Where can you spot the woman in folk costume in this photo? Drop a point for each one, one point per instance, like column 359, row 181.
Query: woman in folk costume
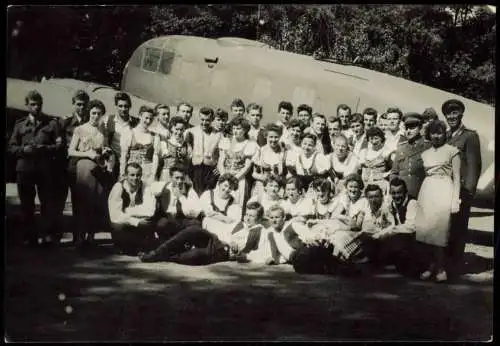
column 376, row 161
column 309, row 164
column 297, row 207
column 94, row 165
column 175, row 151
column 439, row 197
column 337, row 229
column 271, row 194
column 343, row 162
column 236, row 157
column 142, row 146
column 220, row 210
column 269, row 159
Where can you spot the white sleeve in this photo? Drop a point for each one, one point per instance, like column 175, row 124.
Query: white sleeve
column 224, row 144
column 191, row 204
column 115, row 203
column 256, row 157
column 323, row 163
column 234, row 212
column 291, row 158
column 410, row 225
column 251, row 149
column 205, row 203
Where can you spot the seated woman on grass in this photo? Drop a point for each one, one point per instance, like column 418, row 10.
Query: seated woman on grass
column 220, row 210
column 271, row 195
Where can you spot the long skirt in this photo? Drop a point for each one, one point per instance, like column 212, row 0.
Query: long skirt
column 433, row 219
column 91, row 192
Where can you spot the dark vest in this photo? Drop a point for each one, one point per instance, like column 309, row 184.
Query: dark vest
column 126, row 197
column 229, row 203
column 400, row 214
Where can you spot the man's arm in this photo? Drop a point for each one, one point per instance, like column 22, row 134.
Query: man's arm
column 15, row 146
column 115, row 204
column 473, row 163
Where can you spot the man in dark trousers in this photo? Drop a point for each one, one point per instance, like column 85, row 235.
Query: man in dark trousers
column 35, row 141
column 67, row 167
column 408, row 164
column 467, row 141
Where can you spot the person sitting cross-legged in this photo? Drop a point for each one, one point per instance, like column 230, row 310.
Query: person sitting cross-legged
column 196, row 246
column 396, row 244
column 131, row 207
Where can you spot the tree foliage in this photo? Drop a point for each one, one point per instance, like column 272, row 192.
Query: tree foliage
column 451, row 47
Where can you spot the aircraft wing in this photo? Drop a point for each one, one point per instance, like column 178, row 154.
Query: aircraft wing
column 57, row 95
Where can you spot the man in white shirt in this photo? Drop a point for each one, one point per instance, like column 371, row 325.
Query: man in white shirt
column 205, row 155
column 196, row 246
column 178, row 204
column 131, row 207
column 393, row 135
column 116, row 126
column 344, row 114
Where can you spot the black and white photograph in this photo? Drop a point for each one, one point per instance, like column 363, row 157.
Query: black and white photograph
column 250, row 173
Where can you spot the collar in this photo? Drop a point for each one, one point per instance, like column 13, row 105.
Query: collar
column 127, row 187
column 459, row 130
column 31, row 119
column 405, row 202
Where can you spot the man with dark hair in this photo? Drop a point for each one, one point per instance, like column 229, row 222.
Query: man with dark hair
column 393, row 135
column 408, row 164
column 467, row 141
column 369, row 117
column 196, row 246
column 237, row 108
column 185, row 111
column 304, row 114
column 80, row 101
column 131, row 207
column 119, row 125
column 35, row 141
column 358, row 139
column 396, row 244
column 256, row 132
column 344, row 114
column 204, row 142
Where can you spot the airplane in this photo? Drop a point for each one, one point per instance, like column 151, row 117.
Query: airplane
column 212, row 72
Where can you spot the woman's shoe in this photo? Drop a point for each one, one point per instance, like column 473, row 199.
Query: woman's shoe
column 441, row 276
column 426, row 275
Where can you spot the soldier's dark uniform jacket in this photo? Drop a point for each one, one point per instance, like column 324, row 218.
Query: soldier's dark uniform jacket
column 42, row 133
column 467, row 141
column 408, row 164
column 35, row 169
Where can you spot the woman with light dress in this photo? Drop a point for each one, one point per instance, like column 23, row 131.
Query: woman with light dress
column 236, row 155
column 269, row 159
column 221, row 212
column 308, row 164
column 142, row 146
column 93, row 174
column 174, row 151
column 343, row 162
column 438, row 197
column 376, row 160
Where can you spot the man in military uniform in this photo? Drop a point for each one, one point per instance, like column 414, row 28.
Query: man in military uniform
column 35, row 141
column 467, row 141
column 408, row 164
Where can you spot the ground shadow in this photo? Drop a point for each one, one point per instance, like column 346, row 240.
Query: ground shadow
column 479, row 237
column 118, row 298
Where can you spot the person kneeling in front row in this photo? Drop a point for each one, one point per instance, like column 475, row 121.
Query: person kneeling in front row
column 193, row 245
column 131, row 209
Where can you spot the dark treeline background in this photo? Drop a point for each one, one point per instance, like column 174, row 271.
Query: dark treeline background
column 451, row 47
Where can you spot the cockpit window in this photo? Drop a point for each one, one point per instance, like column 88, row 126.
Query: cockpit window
column 151, row 59
column 167, row 60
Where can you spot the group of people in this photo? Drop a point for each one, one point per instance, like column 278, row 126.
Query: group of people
column 321, row 193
